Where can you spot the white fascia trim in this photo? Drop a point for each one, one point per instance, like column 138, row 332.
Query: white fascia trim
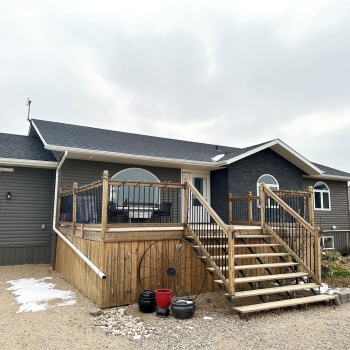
column 38, row 132
column 29, row 163
column 129, row 156
column 252, row 151
column 327, row 177
column 270, row 144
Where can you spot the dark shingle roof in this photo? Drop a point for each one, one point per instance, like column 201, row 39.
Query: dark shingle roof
column 23, row 147
column 330, row 171
column 74, row 136
column 94, row 139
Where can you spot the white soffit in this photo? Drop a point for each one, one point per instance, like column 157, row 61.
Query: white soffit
column 139, row 160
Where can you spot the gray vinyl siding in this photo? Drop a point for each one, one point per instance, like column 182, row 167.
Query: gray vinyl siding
column 341, row 239
column 339, row 213
column 22, row 239
column 85, row 172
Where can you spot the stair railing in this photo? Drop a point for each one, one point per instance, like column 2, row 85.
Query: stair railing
column 292, row 231
column 207, row 227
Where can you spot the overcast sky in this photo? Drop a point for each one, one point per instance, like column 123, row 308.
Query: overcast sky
column 221, row 72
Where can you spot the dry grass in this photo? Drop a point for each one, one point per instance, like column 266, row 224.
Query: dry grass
column 335, row 269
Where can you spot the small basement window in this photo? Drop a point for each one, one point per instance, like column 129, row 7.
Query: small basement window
column 327, row 242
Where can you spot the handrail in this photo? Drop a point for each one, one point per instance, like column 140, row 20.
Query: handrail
column 295, row 256
column 145, row 184
column 206, row 205
column 211, row 235
column 286, row 207
column 293, row 232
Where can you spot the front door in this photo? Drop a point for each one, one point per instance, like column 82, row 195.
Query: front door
column 201, row 182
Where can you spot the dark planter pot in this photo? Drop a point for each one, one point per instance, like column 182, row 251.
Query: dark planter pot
column 147, row 301
column 183, row 308
column 162, row 312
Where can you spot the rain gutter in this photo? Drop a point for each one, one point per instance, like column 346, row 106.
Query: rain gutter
column 63, row 237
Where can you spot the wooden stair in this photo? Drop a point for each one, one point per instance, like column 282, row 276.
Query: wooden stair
column 259, row 260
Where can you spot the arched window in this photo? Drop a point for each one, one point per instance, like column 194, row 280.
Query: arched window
column 272, row 184
column 322, row 197
column 135, row 195
column 269, row 181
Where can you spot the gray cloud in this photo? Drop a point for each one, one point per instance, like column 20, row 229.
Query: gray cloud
column 218, row 74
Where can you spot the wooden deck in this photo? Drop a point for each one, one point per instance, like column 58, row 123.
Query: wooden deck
column 240, row 259
column 119, row 256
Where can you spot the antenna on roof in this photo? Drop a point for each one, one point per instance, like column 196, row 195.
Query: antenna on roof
column 28, row 104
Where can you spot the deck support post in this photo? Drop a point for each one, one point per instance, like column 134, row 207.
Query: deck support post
column 186, row 199
column 74, row 219
column 231, row 260
column 250, row 208
column 262, row 204
column 104, row 203
column 311, row 206
column 230, row 221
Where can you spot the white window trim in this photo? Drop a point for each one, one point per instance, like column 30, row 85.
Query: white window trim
column 321, row 194
column 146, row 171
column 269, row 186
column 322, row 242
column 134, row 168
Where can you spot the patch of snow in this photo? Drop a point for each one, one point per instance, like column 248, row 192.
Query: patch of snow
column 37, row 295
column 324, row 288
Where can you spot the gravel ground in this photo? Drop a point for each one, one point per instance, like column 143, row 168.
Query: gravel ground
column 214, row 326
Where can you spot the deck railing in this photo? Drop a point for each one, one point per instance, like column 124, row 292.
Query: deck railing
column 111, row 202
column 289, row 215
column 293, row 231
column 246, row 210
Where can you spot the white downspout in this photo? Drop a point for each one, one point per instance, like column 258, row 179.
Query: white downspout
column 86, row 260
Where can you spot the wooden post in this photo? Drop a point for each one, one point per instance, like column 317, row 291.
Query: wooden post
column 317, row 255
column 58, row 209
column 262, row 205
column 230, row 220
column 311, row 206
column 186, row 196
column 231, row 261
column 104, row 203
column 74, row 219
column 250, row 208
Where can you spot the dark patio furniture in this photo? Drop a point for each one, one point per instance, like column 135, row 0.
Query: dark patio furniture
column 117, row 214
column 163, row 213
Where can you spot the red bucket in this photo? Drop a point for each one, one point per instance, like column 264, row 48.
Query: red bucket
column 163, row 297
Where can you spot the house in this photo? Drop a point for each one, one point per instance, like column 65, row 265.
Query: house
column 147, row 174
